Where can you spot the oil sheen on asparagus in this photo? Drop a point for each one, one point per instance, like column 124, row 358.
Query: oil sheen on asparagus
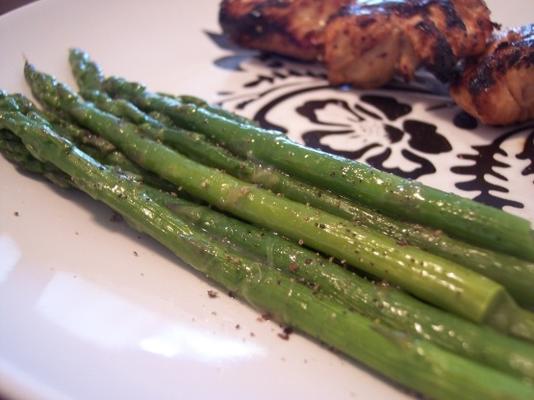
column 514, row 274
column 434, row 279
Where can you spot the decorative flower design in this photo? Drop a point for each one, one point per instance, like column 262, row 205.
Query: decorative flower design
column 365, row 130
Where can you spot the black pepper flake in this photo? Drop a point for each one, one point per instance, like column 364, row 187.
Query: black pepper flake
column 212, row 294
column 252, row 334
column 285, row 333
column 16, row 214
column 238, row 326
column 135, row 253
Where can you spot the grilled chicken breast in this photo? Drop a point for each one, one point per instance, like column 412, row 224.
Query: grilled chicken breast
column 290, row 27
column 498, row 87
column 369, row 41
column 363, row 42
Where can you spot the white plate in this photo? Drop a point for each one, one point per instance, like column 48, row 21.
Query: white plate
column 89, row 309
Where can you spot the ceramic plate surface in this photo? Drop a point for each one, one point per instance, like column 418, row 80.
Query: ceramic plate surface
column 89, row 309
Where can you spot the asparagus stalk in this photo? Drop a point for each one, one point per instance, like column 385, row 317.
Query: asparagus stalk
column 197, row 101
column 462, row 218
column 89, row 77
column 514, row 274
column 387, row 304
column 390, row 305
column 436, row 280
column 95, row 145
column 195, row 146
column 414, row 363
column 87, row 73
column 10, row 147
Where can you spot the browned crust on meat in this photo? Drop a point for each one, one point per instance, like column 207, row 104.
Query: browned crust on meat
column 405, row 35
column 363, row 42
column 498, row 87
column 289, row 27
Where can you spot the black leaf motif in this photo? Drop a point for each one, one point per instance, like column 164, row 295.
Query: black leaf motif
column 389, row 106
column 528, row 154
column 310, row 110
column 259, row 80
column 484, row 165
column 313, row 139
column 465, row 121
column 425, row 137
column 394, row 134
column 425, row 166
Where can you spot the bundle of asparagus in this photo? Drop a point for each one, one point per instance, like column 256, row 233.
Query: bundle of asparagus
column 136, row 161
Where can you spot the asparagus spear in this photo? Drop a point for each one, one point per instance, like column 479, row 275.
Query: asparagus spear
column 413, row 363
column 195, row 146
column 10, row 147
column 89, row 77
column 470, row 221
column 93, row 144
column 436, row 280
column 88, row 74
column 197, row 101
column 514, row 274
column 388, row 304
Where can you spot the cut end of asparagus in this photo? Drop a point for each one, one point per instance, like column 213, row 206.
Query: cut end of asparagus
column 524, row 326
column 506, row 316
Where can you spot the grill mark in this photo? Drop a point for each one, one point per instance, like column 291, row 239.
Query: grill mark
column 514, row 51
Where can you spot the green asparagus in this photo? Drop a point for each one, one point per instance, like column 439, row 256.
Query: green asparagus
column 89, row 77
column 387, row 304
column 462, row 218
column 514, row 274
column 93, row 144
column 436, row 280
column 414, row 363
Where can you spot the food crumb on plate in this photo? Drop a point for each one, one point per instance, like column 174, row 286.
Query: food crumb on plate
column 264, row 317
column 285, row 333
